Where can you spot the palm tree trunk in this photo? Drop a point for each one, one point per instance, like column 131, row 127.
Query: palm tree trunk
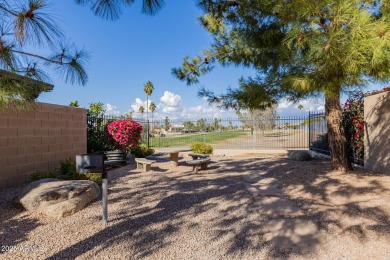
column 147, row 108
column 152, row 122
column 147, row 119
column 336, row 133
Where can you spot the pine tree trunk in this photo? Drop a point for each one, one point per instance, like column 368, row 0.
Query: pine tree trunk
column 336, row 133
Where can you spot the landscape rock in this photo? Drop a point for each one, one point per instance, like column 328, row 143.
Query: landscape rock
column 299, row 155
column 58, row 198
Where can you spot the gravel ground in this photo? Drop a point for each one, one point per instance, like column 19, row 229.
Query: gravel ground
column 173, row 213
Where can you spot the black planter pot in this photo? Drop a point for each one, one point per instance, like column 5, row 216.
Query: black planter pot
column 117, row 156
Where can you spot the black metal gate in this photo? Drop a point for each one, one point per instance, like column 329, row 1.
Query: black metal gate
column 318, row 135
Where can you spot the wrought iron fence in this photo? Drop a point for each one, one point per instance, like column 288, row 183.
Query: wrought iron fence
column 230, row 133
column 292, row 132
column 270, row 133
column 97, row 138
column 318, row 135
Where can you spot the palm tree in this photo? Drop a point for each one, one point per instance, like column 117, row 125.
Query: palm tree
column 141, row 110
column 148, row 89
column 152, row 108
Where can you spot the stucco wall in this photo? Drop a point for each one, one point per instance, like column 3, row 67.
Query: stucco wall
column 38, row 140
column 377, row 132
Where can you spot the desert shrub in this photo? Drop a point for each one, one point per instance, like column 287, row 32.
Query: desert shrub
column 44, row 175
column 98, row 138
column 67, row 167
column 66, row 171
column 202, row 148
column 142, row 151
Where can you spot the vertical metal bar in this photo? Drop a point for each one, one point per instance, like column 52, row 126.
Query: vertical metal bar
column 252, row 124
column 104, row 196
column 293, row 130
column 204, row 131
column 309, row 129
column 148, row 132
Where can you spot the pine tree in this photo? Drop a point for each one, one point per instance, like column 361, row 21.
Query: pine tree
column 112, row 9
column 29, row 23
column 26, row 25
column 299, row 49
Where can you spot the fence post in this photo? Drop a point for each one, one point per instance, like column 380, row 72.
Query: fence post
column 309, row 135
column 204, row 131
column 147, row 122
column 253, row 134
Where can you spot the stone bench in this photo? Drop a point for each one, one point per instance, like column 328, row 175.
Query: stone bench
column 144, row 163
column 198, row 156
column 202, row 162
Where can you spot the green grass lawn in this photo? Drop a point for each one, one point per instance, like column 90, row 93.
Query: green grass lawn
column 188, row 139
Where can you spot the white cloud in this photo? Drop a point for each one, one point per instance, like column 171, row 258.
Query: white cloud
column 112, row 110
column 311, row 104
column 170, row 99
column 170, row 109
column 284, row 103
column 172, row 106
column 290, row 108
column 138, row 102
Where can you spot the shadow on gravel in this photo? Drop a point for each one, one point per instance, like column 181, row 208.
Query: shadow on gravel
column 154, row 211
column 341, row 204
column 13, row 228
column 182, row 199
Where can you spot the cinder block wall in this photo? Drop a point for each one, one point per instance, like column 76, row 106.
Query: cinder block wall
column 377, row 132
column 38, row 140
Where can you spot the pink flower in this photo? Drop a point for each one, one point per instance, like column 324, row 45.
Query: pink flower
column 126, row 133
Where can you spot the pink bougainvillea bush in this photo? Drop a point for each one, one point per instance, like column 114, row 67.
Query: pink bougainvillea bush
column 353, row 120
column 125, row 133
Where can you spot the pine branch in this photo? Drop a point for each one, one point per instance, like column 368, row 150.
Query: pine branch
column 40, row 57
column 8, row 11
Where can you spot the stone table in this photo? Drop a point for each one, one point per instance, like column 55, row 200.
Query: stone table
column 173, row 153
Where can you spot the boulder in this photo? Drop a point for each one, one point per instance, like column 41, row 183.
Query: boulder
column 299, row 155
column 58, row 198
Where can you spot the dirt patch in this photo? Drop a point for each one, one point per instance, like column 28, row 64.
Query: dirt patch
column 173, row 213
column 275, row 139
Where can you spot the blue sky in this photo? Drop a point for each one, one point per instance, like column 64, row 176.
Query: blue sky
column 136, row 48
